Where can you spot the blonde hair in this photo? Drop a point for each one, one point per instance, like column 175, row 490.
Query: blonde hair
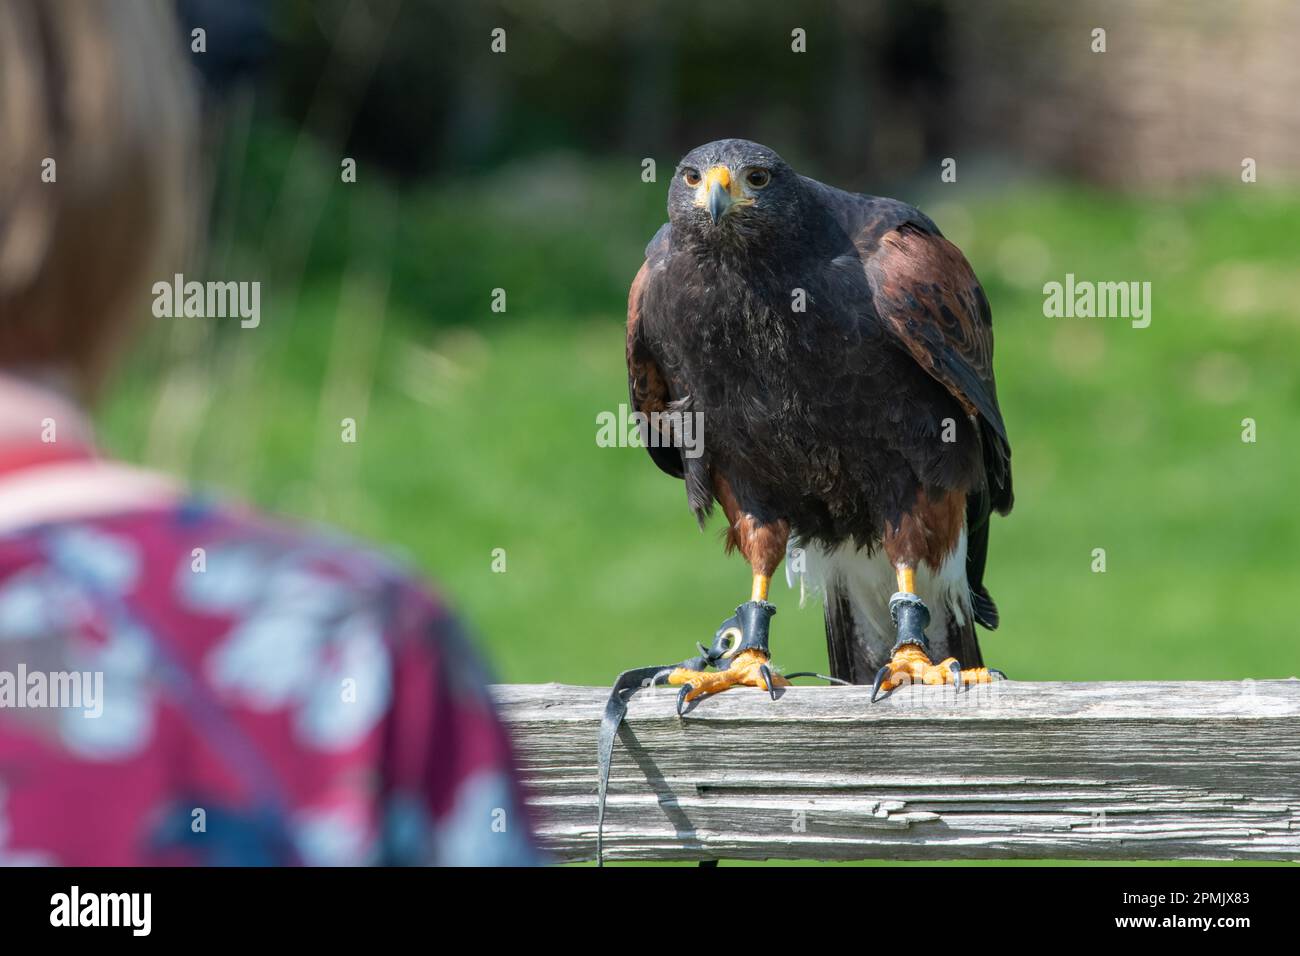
column 101, row 90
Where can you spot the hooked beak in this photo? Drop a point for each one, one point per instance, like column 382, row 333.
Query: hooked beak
column 716, row 192
column 718, row 202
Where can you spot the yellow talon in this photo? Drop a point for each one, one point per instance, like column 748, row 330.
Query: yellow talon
column 745, row 670
column 911, row 665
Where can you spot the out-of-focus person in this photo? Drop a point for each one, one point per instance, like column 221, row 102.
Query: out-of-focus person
column 184, row 681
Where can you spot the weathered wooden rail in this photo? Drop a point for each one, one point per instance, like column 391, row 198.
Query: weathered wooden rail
column 1206, row 770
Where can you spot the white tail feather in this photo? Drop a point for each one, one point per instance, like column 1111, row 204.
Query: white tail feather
column 868, row 580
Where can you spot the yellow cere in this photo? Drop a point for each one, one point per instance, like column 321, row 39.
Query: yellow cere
column 722, row 176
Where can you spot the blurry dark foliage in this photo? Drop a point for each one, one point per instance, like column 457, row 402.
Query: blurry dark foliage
column 885, row 88
column 423, row 92
column 238, row 40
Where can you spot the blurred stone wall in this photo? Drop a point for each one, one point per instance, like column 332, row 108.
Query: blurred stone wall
column 1185, row 90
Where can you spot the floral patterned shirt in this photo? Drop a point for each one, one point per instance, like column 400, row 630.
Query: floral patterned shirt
column 191, row 684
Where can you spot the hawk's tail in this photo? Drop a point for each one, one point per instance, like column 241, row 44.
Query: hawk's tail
column 856, row 661
column 860, row 634
column 841, row 637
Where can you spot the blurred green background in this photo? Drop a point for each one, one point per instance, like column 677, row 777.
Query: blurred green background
column 476, row 430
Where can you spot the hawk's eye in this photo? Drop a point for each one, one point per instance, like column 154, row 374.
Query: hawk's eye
column 758, row 178
column 692, row 176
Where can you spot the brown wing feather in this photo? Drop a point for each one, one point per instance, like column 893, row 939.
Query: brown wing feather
column 926, row 294
column 646, row 385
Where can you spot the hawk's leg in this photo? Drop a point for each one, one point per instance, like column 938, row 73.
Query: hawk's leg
column 740, row 647
column 910, row 662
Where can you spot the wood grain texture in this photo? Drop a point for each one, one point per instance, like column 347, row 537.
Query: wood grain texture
column 1133, row 770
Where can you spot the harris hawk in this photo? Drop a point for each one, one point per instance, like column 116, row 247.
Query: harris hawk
column 838, row 351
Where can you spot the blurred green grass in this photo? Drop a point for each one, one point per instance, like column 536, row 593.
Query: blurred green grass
column 477, row 430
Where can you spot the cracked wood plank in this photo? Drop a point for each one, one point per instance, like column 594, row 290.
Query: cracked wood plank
column 1121, row 771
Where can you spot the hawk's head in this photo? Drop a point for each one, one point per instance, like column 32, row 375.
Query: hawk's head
column 732, row 192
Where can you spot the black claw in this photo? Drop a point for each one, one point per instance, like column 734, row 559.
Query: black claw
column 955, row 670
column 767, row 676
column 997, row 674
column 681, row 698
column 880, row 679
